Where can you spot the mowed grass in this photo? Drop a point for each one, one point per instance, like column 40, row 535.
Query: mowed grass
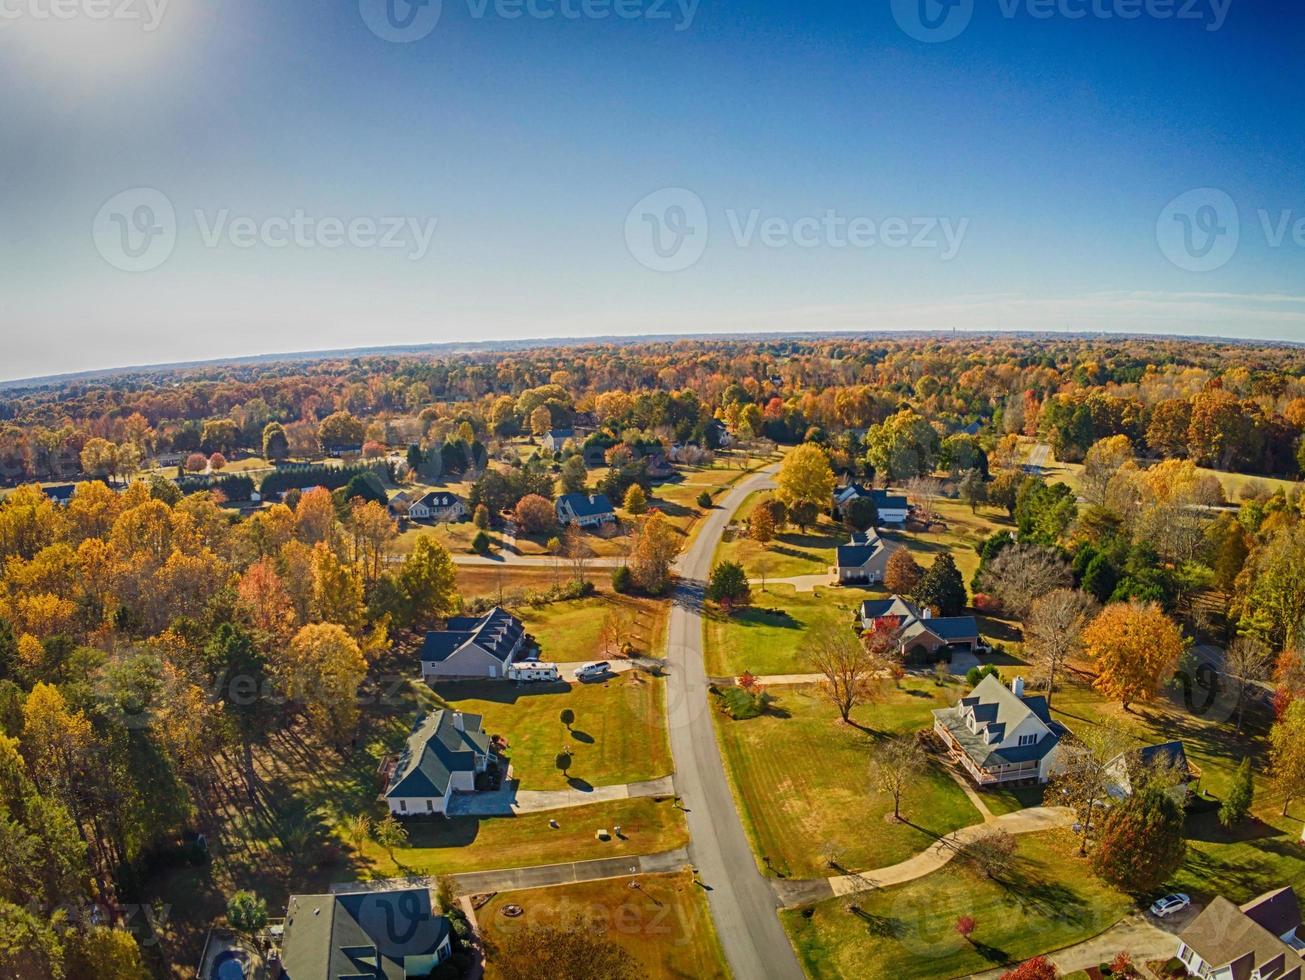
column 618, row 735
column 1049, row 900
column 462, row 844
column 664, row 923
column 507, row 585
column 803, row 780
column 769, row 637
column 569, row 632
column 793, row 552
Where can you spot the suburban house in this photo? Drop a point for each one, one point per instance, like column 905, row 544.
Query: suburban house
column 585, row 509
column 922, row 633
column 892, row 509
column 473, row 648
column 1259, row 941
column 62, row 494
column 1127, row 769
column 862, row 560
column 555, row 440
column 444, row 753
column 439, row 506
column 657, row 465
column 999, row 735
column 385, row 935
column 595, row 454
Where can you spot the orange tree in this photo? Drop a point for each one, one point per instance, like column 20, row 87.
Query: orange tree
column 1135, row 647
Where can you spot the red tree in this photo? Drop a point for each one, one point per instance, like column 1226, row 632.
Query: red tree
column 1038, row 968
column 966, row 925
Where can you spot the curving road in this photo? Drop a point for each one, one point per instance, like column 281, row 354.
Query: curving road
column 742, row 901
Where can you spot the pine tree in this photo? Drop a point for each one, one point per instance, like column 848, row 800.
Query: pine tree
column 1241, row 794
column 942, row 588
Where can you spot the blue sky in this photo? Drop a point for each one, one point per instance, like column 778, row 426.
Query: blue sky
column 1038, row 170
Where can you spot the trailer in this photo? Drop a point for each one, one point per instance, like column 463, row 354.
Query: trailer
column 533, row 672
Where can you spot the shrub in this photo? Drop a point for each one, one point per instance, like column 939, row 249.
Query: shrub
column 976, row 674
column 622, row 579
column 481, row 517
column 742, row 704
column 704, row 500
column 480, row 543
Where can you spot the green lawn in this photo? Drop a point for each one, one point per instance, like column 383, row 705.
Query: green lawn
column 569, row 632
column 793, row 552
column 440, row 846
column 1048, row 901
column 802, row 780
column 664, row 923
column 768, row 638
column 618, row 736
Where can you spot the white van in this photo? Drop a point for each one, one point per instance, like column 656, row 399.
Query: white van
column 533, row 672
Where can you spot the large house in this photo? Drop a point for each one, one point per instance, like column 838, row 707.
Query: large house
column 556, row 439
column 863, row 560
column 999, row 735
column 892, row 509
column 922, row 634
column 378, row 935
column 585, row 509
column 444, row 753
column 439, row 506
column 1128, row 769
column 472, row 648
column 1259, row 941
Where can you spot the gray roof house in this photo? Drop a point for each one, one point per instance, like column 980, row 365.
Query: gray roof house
column 863, row 559
column 585, row 509
column 1259, row 941
column 62, row 494
column 922, row 633
column 892, row 508
column 443, row 754
column 556, row 439
column 471, row 648
column 1000, row 735
column 372, row 935
column 438, row 505
column 1128, row 767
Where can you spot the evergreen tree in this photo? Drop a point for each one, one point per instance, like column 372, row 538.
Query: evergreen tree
column 1241, row 794
column 942, row 588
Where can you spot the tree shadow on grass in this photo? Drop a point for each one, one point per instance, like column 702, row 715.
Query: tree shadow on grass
column 582, row 736
column 991, row 953
column 580, row 785
column 879, row 926
column 500, row 692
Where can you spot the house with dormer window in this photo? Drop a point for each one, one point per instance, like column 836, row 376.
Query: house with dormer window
column 473, row 648
column 1000, row 735
column 1260, row 940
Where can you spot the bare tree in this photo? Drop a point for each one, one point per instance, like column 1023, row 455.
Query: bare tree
column 849, row 671
column 577, row 551
column 1081, row 780
column 1022, row 573
column 1246, row 662
column 923, row 492
column 992, row 855
column 896, row 763
column 1053, row 631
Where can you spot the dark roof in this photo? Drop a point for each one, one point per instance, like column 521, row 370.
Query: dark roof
column 61, row 494
column 863, row 546
column 949, row 629
column 1278, row 911
column 1225, row 935
column 585, row 504
column 882, row 498
column 496, row 633
column 952, row 627
column 436, row 749
column 359, row 935
column 439, row 499
column 560, row 434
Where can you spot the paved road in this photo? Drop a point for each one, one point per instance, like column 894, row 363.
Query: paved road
column 501, row 559
column 741, row 900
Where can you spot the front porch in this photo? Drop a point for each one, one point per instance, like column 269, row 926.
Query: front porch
column 1011, row 774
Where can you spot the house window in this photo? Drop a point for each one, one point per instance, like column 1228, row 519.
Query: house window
column 430, row 806
column 1028, row 740
column 403, row 806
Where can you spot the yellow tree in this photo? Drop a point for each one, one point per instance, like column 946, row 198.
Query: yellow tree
column 1135, row 647
column 322, row 671
column 29, row 521
column 655, row 547
column 372, row 532
column 264, row 595
column 337, row 591
column 805, row 477
column 315, row 517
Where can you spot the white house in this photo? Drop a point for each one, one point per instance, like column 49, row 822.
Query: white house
column 438, row 506
column 555, row 440
column 1261, row 940
column 863, row 560
column 444, row 753
column 384, row 933
column 585, row 509
column 471, row 648
column 892, row 509
column 1126, row 769
column 999, row 735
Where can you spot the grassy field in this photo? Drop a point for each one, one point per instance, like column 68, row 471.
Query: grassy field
column 802, row 780
column 618, row 736
column 793, row 552
column 908, row 931
column 768, row 637
column 664, row 923
column 568, row 632
column 507, row 584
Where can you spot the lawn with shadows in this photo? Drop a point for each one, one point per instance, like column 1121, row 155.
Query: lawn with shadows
column 570, row 632
column 802, row 781
column 1049, row 900
column 664, row 922
column 618, row 734
column 793, row 552
column 768, row 638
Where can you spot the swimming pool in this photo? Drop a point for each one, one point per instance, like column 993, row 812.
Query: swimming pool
column 229, row 965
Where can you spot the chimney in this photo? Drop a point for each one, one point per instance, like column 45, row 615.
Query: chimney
column 1017, row 686
column 458, row 722
column 926, row 613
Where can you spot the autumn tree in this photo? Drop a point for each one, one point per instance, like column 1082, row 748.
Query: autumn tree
column 1021, row 574
column 761, row 526
column 1101, row 463
column 1287, row 754
column 992, row 855
column 337, row 591
column 1135, row 647
column 556, row 951
column 322, row 671
column 902, row 574
column 100, row 952
column 1141, row 843
column 654, row 549
column 423, row 591
column 903, row 446
column 805, row 477
column 636, row 500
column 849, row 672
column 1278, row 584
column 1038, row 968
column 340, row 430
column 898, row 763
column 535, row 514
column 1053, row 631
column 1246, row 663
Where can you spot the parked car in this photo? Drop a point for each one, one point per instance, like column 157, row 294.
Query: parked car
column 600, row 669
column 1170, row 904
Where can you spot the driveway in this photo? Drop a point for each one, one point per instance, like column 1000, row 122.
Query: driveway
column 742, row 902
column 511, row 879
column 510, row 800
column 1141, row 935
column 501, row 559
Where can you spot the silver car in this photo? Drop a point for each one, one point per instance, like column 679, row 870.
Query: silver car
column 1170, row 904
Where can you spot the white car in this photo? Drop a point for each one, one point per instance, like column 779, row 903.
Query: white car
column 600, row 669
column 1169, row 905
